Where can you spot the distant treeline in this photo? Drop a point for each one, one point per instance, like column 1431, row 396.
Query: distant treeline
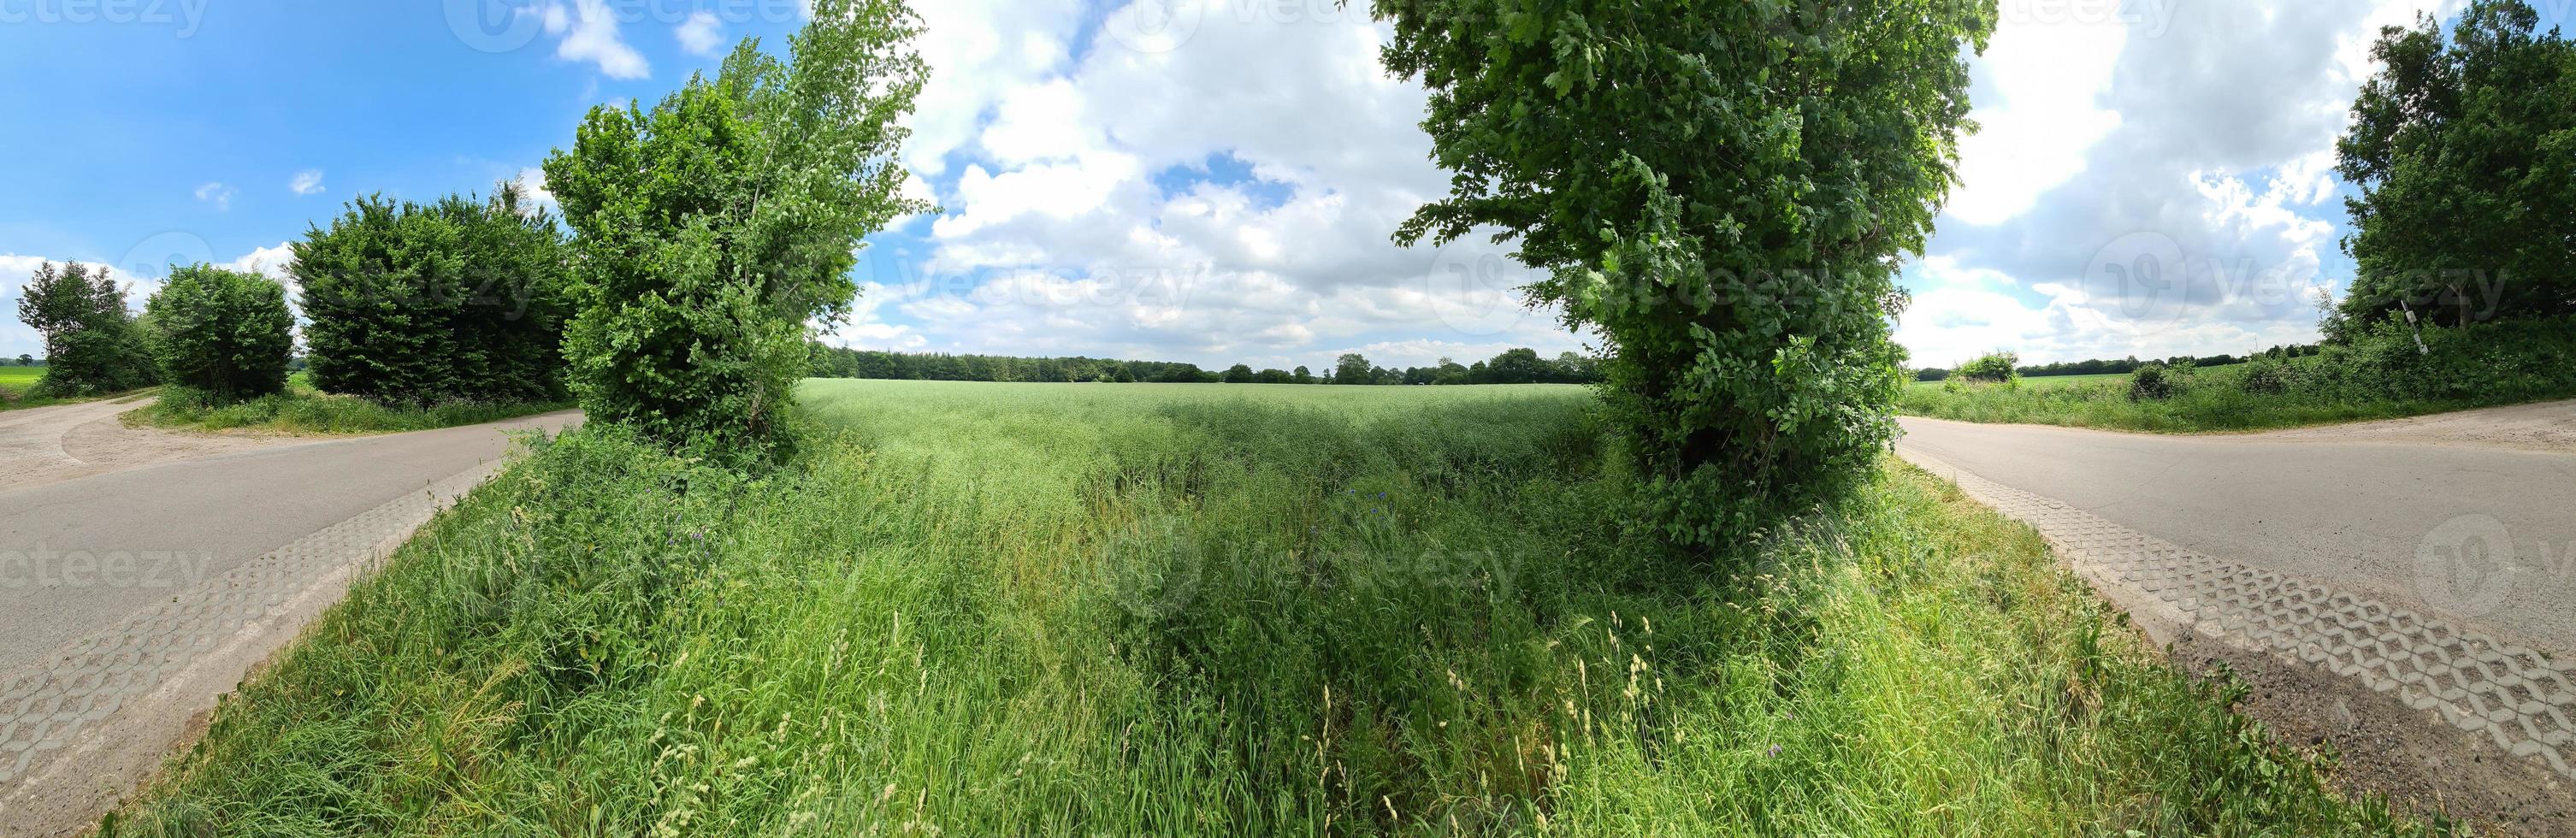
column 1514, row 366
column 2124, row 366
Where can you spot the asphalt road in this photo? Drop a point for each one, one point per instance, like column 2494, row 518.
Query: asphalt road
column 2483, row 535
column 80, row 555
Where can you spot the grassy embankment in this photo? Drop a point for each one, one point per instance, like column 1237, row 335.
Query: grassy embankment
column 304, row 410
column 2382, row 376
column 980, row 609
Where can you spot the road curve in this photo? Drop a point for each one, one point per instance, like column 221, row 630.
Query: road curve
column 130, row 600
column 2372, row 512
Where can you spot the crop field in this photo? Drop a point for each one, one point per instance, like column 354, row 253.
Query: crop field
column 2041, row 381
column 981, row 609
column 14, row 383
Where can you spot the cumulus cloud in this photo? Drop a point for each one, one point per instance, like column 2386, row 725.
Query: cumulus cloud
column 2196, row 218
column 220, row 195
column 589, row 32
column 701, row 34
column 307, row 182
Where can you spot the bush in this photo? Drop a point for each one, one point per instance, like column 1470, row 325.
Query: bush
column 418, row 304
column 715, row 228
column 222, row 332
column 1994, row 368
column 2264, row 377
column 2153, row 382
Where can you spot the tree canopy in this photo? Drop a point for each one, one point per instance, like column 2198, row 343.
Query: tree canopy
column 223, row 332
column 1723, row 191
column 2464, row 150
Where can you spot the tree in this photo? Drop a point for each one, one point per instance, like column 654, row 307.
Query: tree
column 26, row 360
column 1352, row 368
column 1238, row 374
column 2465, row 155
column 416, row 304
column 91, row 343
column 1723, row 192
column 715, row 229
column 1303, row 376
column 223, row 332
column 1990, row 368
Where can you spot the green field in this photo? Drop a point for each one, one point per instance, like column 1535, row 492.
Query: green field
column 2045, row 381
column 15, row 381
column 985, row 609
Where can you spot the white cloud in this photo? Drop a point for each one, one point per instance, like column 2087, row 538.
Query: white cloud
column 701, row 34
column 217, row 194
column 307, row 182
column 589, row 32
column 272, row 262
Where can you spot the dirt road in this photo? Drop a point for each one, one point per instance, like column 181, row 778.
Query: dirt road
column 134, row 591
column 2400, row 588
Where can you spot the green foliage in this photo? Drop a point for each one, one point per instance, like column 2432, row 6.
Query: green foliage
column 1992, row 368
column 301, row 410
column 2378, row 374
column 92, row 346
column 1723, row 190
column 224, row 333
column 416, row 304
column 713, row 229
column 1238, row 374
column 1154, row 610
column 2155, row 382
column 2465, row 153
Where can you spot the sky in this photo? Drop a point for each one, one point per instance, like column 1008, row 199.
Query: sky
column 1210, row 181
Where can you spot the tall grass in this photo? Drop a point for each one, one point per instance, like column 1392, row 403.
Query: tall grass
column 979, row 609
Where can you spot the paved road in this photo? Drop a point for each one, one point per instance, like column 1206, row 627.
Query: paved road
column 2385, row 517
column 129, row 600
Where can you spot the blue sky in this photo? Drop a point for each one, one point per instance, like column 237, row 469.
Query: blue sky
column 1200, row 180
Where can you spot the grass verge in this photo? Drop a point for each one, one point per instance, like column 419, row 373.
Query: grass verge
column 304, row 410
column 2380, row 375
column 1175, row 609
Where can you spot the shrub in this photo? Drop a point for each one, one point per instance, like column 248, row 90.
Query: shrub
column 1723, row 208
column 2264, row 377
column 91, row 343
column 715, row 228
column 222, row 332
column 416, row 304
column 1993, row 368
column 2153, row 382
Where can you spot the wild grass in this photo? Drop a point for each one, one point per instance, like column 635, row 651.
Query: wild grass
column 984, row 609
column 302, row 410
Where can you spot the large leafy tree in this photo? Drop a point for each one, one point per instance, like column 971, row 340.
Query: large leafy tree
column 1723, row 191
column 224, row 332
column 715, row 229
column 91, row 342
column 458, row 300
column 2465, row 153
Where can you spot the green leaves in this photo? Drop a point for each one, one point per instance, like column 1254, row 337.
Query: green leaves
column 1720, row 190
column 419, row 304
column 713, row 229
column 226, row 333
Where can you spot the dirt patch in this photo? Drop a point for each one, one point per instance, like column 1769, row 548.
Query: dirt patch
column 2420, row 763
column 44, row 445
column 2548, row 426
